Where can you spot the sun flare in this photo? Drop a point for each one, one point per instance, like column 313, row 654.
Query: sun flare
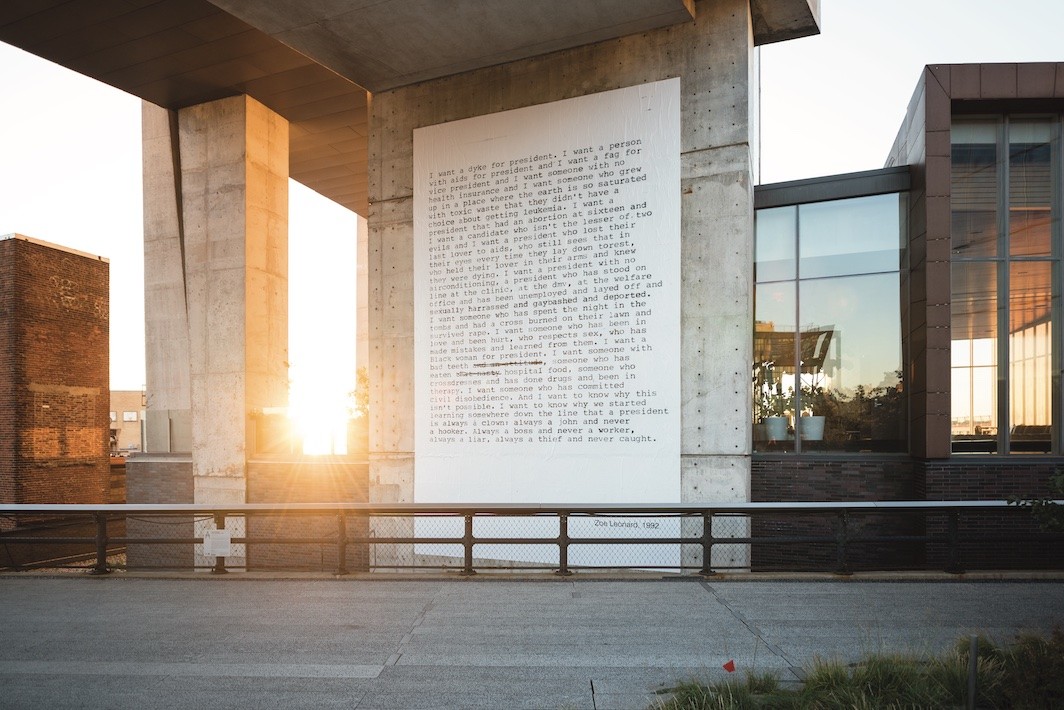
column 319, row 413
column 321, row 332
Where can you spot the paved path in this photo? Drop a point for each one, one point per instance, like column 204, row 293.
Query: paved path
column 123, row 642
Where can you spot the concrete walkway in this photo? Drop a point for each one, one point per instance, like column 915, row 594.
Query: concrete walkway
column 243, row 642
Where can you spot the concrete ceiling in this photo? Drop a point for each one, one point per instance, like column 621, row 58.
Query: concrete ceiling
column 313, row 61
column 178, row 53
column 384, row 44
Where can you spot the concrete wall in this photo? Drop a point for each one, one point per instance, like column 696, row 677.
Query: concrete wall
column 712, row 56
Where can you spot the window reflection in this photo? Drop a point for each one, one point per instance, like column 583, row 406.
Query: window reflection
column 1002, row 387
column 843, row 237
column 833, row 383
column 1030, row 333
column 974, row 188
column 857, row 384
column 973, row 356
column 775, row 243
column 1030, row 188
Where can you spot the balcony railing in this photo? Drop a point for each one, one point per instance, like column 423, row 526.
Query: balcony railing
column 954, row 536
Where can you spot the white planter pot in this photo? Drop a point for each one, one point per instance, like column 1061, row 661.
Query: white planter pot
column 811, row 428
column 775, row 428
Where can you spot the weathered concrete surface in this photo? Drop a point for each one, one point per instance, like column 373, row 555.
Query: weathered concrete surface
column 713, row 57
column 483, row 643
column 216, row 284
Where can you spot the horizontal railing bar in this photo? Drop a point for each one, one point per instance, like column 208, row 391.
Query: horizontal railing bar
column 56, row 540
column 493, row 509
column 828, row 539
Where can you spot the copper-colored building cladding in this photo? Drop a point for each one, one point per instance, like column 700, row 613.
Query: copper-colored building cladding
column 54, row 421
column 944, row 92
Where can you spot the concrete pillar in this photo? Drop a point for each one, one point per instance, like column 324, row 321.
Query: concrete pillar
column 216, row 284
column 362, row 295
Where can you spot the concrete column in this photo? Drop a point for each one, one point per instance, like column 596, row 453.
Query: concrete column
column 362, row 295
column 216, row 282
column 168, row 417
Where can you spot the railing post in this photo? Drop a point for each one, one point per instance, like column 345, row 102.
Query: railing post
column 101, row 545
column 341, row 543
column 842, row 534
column 707, row 545
column 219, row 560
column 467, row 543
column 953, row 535
column 563, row 546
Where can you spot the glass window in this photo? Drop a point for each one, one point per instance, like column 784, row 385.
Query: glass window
column 1003, row 388
column 974, row 188
column 1030, row 188
column 973, row 355
column 774, row 318
column 775, row 244
column 833, row 382
column 849, row 236
column 851, row 361
column 1030, row 374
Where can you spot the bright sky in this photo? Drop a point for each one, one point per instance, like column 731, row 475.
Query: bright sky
column 70, row 147
column 833, row 103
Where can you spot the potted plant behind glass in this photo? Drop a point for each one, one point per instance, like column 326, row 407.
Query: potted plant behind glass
column 815, row 342
column 775, row 420
column 811, row 426
column 773, row 406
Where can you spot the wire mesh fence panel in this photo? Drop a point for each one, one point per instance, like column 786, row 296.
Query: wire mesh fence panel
column 304, row 542
column 488, row 556
column 384, row 555
column 542, row 526
column 53, row 542
column 638, row 556
column 516, row 555
column 725, row 555
column 438, row 556
column 161, row 555
column 664, row 555
column 438, row 526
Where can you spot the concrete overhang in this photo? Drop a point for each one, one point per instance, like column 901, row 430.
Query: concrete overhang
column 780, row 21
column 313, row 62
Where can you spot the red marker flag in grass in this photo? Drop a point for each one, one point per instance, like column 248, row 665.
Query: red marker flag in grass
column 730, row 666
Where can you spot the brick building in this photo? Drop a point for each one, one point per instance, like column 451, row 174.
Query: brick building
column 54, row 421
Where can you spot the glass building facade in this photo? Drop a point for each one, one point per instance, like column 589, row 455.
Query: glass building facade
column 1005, row 284
column 827, row 372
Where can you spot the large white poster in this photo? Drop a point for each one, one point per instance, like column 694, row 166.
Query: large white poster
column 547, row 302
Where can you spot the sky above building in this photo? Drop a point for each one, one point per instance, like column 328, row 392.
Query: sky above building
column 70, row 169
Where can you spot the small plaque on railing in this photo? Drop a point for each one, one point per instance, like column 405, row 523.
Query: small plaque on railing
column 217, row 543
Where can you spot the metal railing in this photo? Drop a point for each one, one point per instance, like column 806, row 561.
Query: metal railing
column 680, row 537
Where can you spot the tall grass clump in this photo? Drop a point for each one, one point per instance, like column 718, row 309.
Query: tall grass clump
column 1027, row 674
